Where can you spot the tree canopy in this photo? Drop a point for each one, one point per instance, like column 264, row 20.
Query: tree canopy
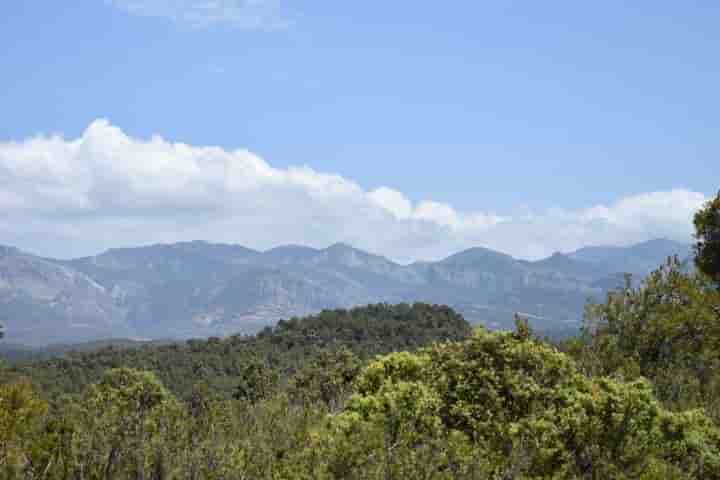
column 707, row 233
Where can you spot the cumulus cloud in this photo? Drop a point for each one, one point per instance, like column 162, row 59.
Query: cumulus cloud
column 245, row 14
column 70, row 197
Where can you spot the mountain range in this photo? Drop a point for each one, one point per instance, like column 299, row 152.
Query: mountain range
column 198, row 289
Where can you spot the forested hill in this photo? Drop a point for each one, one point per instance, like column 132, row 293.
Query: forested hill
column 283, row 349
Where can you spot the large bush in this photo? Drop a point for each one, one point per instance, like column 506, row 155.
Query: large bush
column 501, row 405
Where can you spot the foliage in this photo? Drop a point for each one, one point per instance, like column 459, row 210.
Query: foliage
column 277, row 353
column 21, row 415
column 707, row 232
column 520, row 406
column 667, row 330
column 327, row 379
column 498, row 405
column 257, row 382
column 135, row 407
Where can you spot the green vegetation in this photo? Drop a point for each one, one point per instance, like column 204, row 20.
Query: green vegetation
column 224, row 364
column 666, row 330
column 707, row 232
column 391, row 392
column 500, row 405
column 307, row 400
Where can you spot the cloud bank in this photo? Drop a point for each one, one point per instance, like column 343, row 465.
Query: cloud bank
column 245, row 14
column 106, row 189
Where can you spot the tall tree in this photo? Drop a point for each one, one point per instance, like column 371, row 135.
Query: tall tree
column 707, row 233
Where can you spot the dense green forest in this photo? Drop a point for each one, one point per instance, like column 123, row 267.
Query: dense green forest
column 394, row 392
column 222, row 364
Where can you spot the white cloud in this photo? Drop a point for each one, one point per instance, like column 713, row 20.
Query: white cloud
column 70, row 197
column 245, row 14
column 392, row 201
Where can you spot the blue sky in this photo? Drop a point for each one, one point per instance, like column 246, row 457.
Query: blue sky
column 502, row 108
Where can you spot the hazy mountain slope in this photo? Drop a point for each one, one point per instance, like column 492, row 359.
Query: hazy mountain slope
column 195, row 289
column 44, row 301
column 639, row 259
column 200, row 289
column 561, row 264
column 288, row 254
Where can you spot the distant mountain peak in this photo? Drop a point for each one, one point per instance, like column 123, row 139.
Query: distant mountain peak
column 556, row 257
column 186, row 246
column 654, row 243
column 7, row 251
column 289, row 254
column 658, row 243
column 640, row 258
column 475, row 254
column 345, row 252
column 342, row 247
column 291, row 246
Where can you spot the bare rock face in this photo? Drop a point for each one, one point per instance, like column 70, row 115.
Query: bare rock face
column 195, row 289
column 42, row 300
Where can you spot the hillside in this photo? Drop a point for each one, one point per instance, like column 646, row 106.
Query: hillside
column 366, row 331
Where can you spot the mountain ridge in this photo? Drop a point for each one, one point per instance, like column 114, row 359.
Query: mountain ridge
column 196, row 289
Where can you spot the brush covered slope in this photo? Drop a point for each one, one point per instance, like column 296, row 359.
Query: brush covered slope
column 284, row 348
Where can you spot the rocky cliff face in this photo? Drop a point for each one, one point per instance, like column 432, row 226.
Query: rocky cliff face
column 42, row 301
column 199, row 289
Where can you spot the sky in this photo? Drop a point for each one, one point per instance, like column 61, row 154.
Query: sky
column 411, row 129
